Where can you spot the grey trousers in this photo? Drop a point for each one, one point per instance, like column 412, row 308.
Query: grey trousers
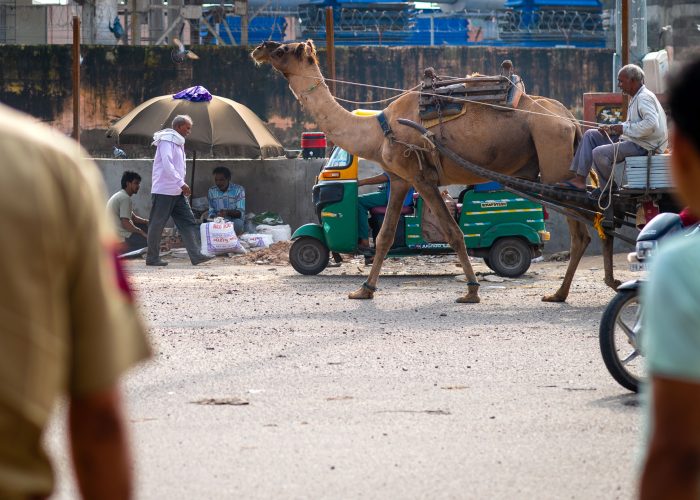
column 596, row 151
column 163, row 207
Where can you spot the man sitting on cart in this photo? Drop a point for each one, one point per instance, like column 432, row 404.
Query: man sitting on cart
column 644, row 132
column 370, row 200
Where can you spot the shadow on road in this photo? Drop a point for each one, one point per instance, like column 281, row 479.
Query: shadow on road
column 626, row 401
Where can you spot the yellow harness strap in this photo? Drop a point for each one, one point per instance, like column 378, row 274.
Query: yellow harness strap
column 597, row 224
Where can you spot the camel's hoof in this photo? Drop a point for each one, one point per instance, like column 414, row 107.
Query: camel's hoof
column 553, row 298
column 470, row 298
column 614, row 284
column 361, row 293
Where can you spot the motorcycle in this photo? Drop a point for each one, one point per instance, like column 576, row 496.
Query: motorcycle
column 621, row 324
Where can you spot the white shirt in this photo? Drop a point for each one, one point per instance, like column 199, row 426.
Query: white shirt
column 646, row 122
column 168, row 174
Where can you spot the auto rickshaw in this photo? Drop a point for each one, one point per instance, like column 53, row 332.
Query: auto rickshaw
column 506, row 230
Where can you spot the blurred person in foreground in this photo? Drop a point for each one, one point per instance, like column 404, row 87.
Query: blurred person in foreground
column 671, row 341
column 69, row 324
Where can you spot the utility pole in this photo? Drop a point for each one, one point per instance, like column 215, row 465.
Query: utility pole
column 625, row 56
column 330, row 49
column 242, row 10
column 135, row 24
column 76, row 78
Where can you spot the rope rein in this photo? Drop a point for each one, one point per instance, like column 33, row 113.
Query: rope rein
column 414, row 90
column 421, row 151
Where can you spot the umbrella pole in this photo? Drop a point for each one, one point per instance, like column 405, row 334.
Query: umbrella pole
column 194, row 159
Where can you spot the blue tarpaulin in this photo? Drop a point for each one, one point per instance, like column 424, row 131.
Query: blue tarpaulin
column 194, row 94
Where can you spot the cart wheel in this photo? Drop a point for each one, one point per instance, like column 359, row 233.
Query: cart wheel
column 488, row 263
column 308, row 255
column 509, row 257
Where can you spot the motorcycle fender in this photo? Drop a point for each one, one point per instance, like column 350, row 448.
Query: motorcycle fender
column 312, row 230
column 630, row 285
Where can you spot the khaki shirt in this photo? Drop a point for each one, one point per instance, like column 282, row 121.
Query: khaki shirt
column 68, row 323
column 119, row 207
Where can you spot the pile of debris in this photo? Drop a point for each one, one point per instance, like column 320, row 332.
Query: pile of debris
column 276, row 254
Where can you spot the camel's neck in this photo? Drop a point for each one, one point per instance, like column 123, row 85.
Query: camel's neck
column 359, row 135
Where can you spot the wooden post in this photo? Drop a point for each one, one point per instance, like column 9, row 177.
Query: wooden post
column 135, row 25
column 127, row 25
column 244, row 22
column 330, row 49
column 76, row 78
column 625, row 56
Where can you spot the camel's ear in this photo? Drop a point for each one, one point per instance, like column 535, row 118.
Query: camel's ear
column 310, row 50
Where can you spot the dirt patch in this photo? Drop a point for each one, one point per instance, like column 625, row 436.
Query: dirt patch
column 276, row 254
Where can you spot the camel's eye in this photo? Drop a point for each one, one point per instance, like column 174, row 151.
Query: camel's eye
column 279, row 52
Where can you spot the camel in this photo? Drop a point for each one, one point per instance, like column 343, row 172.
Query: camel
column 504, row 142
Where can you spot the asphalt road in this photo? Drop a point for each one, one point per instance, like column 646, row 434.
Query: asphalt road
column 410, row 395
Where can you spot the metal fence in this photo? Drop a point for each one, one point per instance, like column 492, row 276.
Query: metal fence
column 36, row 24
column 394, row 24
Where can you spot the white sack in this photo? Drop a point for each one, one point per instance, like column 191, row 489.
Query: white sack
column 219, row 237
column 279, row 233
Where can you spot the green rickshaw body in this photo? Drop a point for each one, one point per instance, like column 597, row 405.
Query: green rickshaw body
column 505, row 229
column 338, row 218
column 488, row 215
column 484, row 217
column 312, row 230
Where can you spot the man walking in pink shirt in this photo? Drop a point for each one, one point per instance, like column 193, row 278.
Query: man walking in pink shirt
column 169, row 193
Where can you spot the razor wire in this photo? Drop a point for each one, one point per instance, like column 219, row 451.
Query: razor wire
column 551, row 23
column 402, row 22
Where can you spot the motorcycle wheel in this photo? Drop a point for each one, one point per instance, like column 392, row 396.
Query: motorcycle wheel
column 619, row 334
column 308, row 255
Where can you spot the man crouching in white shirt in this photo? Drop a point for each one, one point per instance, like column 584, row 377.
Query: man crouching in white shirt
column 169, row 191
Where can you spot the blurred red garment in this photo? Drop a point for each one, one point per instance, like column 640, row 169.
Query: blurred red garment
column 687, row 217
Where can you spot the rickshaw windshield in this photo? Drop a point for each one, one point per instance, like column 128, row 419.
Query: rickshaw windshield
column 339, row 159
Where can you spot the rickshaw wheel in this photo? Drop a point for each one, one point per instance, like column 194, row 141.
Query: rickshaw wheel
column 510, row 257
column 308, row 255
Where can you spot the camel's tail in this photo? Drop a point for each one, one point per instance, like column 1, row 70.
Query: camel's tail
column 561, row 200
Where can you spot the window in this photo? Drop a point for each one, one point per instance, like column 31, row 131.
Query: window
column 339, row 159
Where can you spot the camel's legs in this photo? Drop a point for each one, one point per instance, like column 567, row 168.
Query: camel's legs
column 608, row 263
column 385, row 238
column 453, row 235
column 579, row 241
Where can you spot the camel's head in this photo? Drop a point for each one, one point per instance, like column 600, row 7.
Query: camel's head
column 288, row 58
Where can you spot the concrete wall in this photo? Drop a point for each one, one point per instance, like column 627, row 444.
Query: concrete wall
column 683, row 16
column 31, row 24
column 280, row 185
column 115, row 79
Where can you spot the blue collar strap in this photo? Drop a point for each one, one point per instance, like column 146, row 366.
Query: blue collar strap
column 381, row 118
